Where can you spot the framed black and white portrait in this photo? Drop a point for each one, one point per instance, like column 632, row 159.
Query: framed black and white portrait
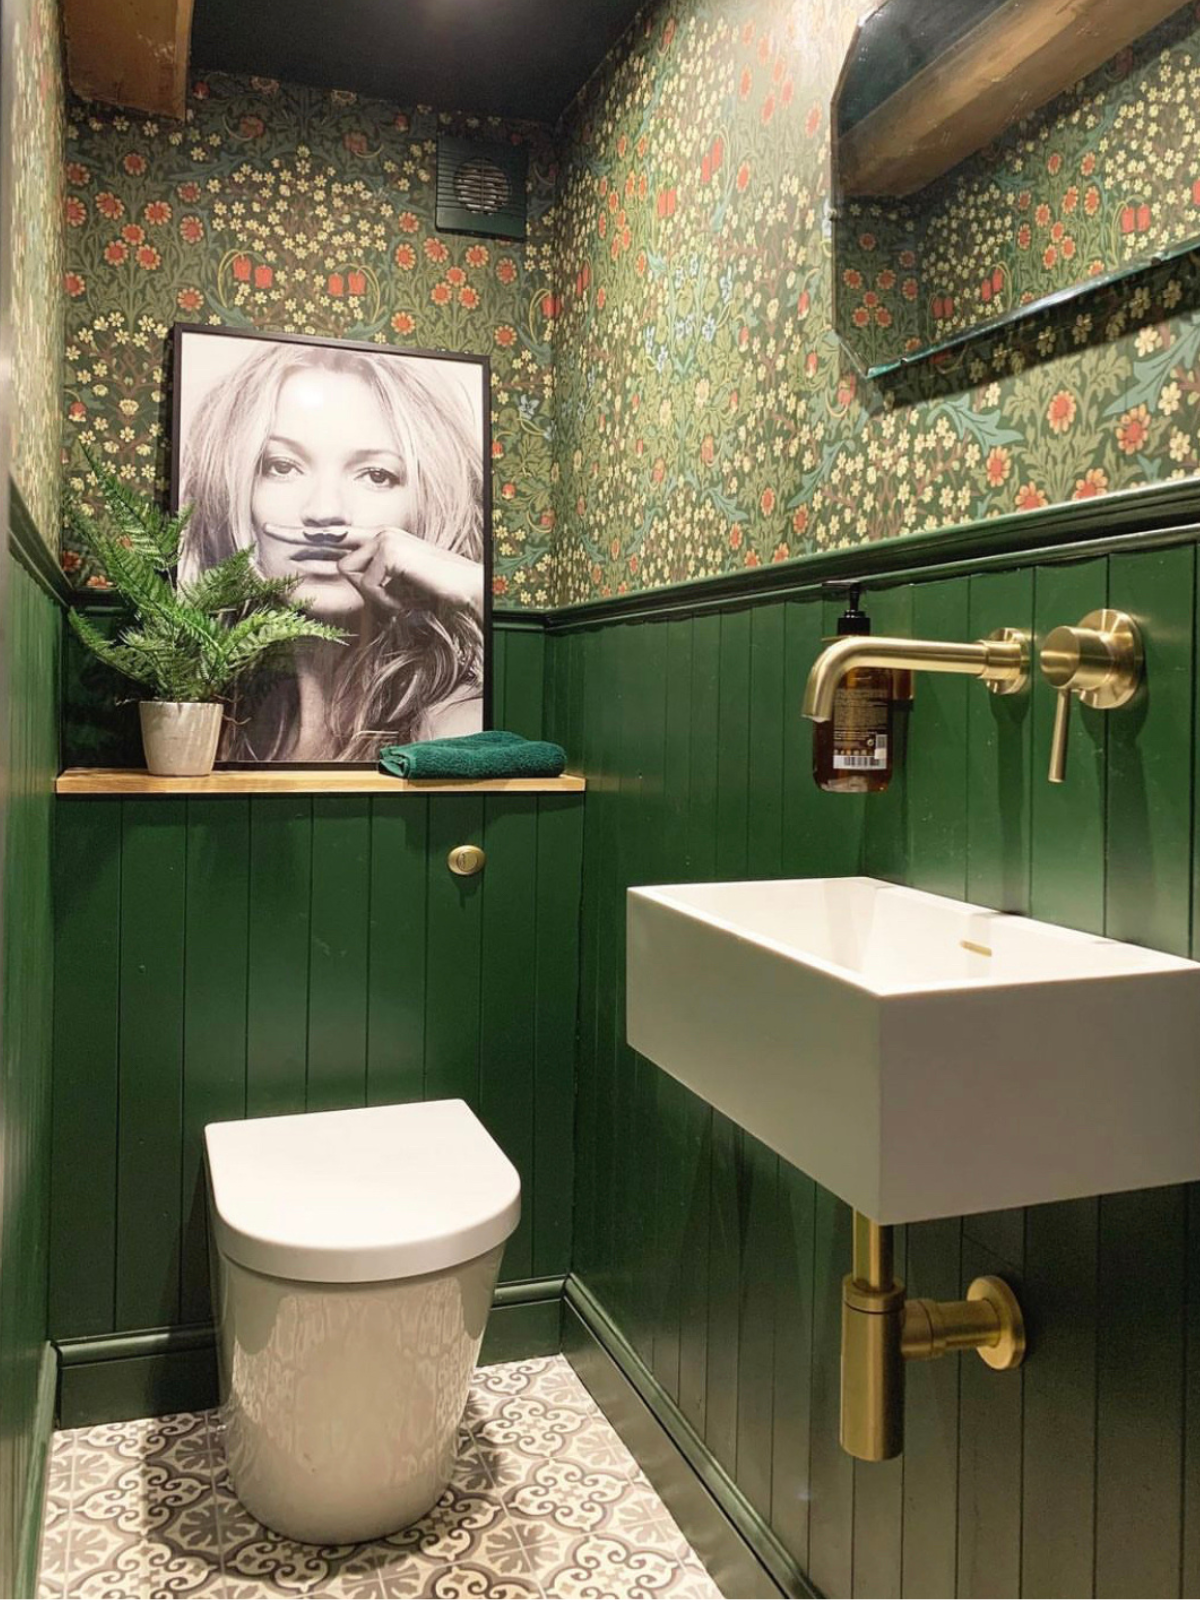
column 363, row 472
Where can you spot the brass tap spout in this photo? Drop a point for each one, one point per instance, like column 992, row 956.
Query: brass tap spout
column 1001, row 660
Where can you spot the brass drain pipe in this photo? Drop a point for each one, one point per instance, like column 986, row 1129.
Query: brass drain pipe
column 882, row 1329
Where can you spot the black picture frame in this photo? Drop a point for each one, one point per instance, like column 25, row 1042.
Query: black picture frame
column 182, row 330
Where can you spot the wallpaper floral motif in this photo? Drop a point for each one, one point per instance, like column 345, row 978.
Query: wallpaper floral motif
column 301, row 211
column 1105, row 176
column 707, row 417
column 37, row 261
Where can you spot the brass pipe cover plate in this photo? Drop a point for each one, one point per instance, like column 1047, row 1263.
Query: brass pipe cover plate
column 1009, row 1349
column 1011, row 685
column 1066, row 659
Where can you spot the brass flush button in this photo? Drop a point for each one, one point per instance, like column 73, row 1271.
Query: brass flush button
column 465, row 860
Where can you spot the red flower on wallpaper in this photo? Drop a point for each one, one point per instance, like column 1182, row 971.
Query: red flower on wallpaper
column 441, row 294
column 1030, row 497
column 506, row 270
column 1135, row 219
column 803, row 304
column 551, row 306
column 356, row 281
column 406, row 257
column 477, row 255
column 1093, row 482
column 812, row 121
column 666, row 202
column 191, row 230
column 1133, row 430
column 766, row 502
column 108, row 205
column 745, row 83
column 189, row 193
column 336, row 284
column 264, row 277
column 468, row 297
column 1091, row 201
column 408, row 222
column 356, row 143
column 133, row 233
column 455, row 275
column 1060, row 413
column 497, row 449
column 508, row 490
column 74, row 212
column 743, row 177
column 148, row 258
column 74, row 284
column 134, row 164
column 241, row 268
column 998, row 465
column 506, row 337
column 435, row 250
column 77, row 411
column 708, row 450
column 252, row 127
column 189, row 299
column 77, row 173
column 115, row 252
column 499, row 585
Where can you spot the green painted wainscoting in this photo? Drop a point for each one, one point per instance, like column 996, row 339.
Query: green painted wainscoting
column 31, row 658
column 717, row 1267
column 248, row 956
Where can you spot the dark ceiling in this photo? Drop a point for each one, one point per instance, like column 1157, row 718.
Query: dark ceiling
column 512, row 58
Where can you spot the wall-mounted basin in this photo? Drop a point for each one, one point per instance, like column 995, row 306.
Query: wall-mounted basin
column 919, row 1056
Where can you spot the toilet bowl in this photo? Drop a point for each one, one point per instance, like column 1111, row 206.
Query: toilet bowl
column 355, row 1254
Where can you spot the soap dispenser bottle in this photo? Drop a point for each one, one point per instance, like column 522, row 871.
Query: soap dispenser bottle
column 852, row 753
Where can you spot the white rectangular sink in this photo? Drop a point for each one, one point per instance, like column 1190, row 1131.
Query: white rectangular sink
column 919, row 1056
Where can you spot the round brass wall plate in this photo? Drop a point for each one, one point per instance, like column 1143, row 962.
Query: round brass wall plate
column 1011, row 685
column 1009, row 1349
column 465, row 860
column 1124, row 640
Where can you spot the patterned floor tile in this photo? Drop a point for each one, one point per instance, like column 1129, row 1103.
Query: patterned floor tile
column 544, row 1501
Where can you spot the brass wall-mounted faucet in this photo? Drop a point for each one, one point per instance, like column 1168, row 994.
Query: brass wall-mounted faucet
column 1101, row 661
column 882, row 1329
column 1001, row 660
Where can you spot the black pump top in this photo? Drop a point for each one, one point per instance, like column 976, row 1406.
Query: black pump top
column 852, row 620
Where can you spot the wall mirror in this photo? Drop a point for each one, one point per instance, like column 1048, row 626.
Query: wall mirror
column 993, row 156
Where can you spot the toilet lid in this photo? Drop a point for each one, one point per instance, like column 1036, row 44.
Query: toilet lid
column 360, row 1196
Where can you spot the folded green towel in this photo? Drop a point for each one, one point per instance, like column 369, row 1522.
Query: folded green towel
column 491, row 754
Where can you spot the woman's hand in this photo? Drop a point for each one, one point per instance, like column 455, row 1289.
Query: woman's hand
column 391, row 569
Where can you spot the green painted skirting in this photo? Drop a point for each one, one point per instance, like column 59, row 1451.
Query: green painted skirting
column 30, row 1543
column 740, row 1550
column 120, row 1376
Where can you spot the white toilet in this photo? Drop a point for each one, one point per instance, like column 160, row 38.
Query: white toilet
column 355, row 1256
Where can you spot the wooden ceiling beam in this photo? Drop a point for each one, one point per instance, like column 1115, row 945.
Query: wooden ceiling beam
column 131, row 53
column 1019, row 57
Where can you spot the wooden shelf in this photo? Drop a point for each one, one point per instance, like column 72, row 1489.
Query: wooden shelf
column 315, row 780
column 1020, row 56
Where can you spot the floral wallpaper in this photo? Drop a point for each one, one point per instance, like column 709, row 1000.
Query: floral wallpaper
column 1105, row 176
column 708, row 418
column 37, row 266
column 300, row 211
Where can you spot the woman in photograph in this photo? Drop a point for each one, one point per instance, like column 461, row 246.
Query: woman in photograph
column 359, row 474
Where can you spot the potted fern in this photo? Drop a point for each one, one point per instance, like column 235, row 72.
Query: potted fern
column 188, row 643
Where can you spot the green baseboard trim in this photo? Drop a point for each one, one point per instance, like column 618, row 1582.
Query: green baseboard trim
column 115, row 1377
column 29, row 1543
column 740, row 1550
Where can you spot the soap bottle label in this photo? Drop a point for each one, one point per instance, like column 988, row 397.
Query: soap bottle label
column 861, row 714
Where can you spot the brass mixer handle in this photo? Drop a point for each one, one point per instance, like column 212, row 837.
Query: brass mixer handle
column 1058, row 739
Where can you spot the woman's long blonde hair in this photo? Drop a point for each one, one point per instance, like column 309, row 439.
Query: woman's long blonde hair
column 403, row 664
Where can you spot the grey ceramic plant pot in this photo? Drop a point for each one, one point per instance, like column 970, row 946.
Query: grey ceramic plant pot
column 180, row 737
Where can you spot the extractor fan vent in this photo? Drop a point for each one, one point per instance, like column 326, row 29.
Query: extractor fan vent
column 481, row 188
